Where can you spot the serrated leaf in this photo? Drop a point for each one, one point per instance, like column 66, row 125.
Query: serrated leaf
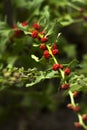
column 48, row 75
column 38, row 79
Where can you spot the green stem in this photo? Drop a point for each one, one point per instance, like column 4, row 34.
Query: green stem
column 81, row 122
column 71, row 98
column 70, row 92
column 55, row 60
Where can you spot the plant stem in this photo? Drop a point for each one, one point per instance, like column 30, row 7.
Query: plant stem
column 69, row 92
column 55, row 60
column 71, row 98
column 81, row 122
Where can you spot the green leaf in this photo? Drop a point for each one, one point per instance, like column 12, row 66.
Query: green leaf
column 37, row 80
column 58, row 3
column 51, row 74
column 75, row 87
column 23, row 28
column 42, row 76
column 66, row 20
column 27, row 4
column 35, row 58
column 81, row 1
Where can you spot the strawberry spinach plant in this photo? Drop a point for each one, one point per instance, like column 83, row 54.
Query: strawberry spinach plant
column 32, row 52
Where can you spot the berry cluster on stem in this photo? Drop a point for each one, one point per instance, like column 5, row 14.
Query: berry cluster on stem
column 51, row 51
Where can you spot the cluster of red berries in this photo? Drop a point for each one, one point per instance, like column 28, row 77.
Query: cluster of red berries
column 37, row 33
column 67, row 71
column 75, row 94
column 56, row 66
column 46, row 53
column 76, row 108
column 65, row 86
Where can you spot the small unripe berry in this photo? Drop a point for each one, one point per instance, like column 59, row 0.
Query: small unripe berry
column 34, row 34
column 54, row 46
column 55, row 51
column 61, row 66
column 65, row 86
column 36, row 26
column 16, row 30
column 76, row 108
column 46, row 54
column 44, row 39
column 7, row 74
column 67, row 71
column 16, row 75
column 75, row 94
column 84, row 117
column 55, row 67
column 70, row 106
column 42, row 46
column 77, row 124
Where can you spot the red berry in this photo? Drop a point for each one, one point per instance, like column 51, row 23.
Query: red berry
column 16, row 30
column 46, row 54
column 54, row 46
column 67, row 71
column 61, row 66
column 75, row 94
column 77, row 124
column 42, row 46
column 76, row 108
column 84, row 117
column 24, row 23
column 55, row 67
column 36, row 26
column 70, row 106
column 65, row 86
column 44, row 39
column 34, row 34
column 55, row 51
